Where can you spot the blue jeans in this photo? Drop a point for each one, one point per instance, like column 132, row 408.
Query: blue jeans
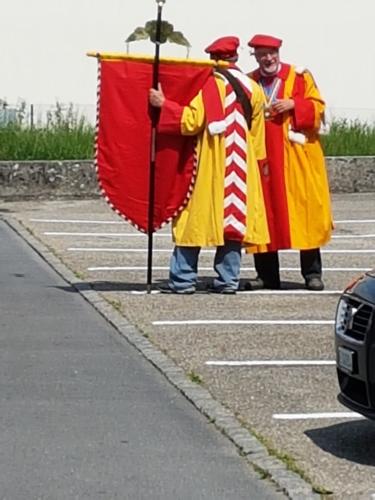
column 184, row 266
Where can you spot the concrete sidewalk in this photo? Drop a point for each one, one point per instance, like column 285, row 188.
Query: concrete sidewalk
column 83, row 415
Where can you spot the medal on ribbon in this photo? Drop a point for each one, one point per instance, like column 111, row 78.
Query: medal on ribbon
column 270, row 92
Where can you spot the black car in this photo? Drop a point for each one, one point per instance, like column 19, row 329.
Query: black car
column 355, row 345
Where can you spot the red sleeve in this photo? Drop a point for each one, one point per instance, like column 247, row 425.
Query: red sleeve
column 304, row 110
column 304, row 114
column 170, row 118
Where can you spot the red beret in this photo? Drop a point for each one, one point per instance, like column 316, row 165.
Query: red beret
column 265, row 41
column 224, row 47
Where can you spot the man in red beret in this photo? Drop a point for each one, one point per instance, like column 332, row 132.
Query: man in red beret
column 295, row 183
column 224, row 49
column 226, row 209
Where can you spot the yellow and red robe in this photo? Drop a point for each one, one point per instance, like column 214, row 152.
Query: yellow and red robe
column 295, row 183
column 201, row 222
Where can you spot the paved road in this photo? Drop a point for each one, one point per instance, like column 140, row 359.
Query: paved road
column 83, row 415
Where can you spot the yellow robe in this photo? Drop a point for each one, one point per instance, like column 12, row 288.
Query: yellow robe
column 201, row 222
column 295, row 184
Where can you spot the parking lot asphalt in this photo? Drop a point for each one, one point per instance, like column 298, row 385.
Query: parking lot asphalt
column 266, row 357
column 84, row 415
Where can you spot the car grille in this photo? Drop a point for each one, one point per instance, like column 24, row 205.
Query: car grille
column 356, row 319
column 353, row 388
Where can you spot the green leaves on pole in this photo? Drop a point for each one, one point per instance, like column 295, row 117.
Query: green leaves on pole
column 148, row 31
column 178, row 38
column 138, row 34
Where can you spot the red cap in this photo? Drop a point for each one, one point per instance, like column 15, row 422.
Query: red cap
column 224, row 48
column 265, row 41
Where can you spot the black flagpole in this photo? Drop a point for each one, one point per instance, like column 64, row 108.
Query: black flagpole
column 154, row 120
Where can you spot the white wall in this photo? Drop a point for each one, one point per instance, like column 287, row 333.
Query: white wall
column 43, row 42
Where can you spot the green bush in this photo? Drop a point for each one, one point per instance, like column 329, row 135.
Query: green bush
column 349, row 138
column 63, row 136
column 66, row 136
column 49, row 143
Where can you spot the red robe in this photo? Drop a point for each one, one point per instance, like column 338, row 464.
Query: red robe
column 295, row 182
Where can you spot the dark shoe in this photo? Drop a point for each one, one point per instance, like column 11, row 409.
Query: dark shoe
column 315, row 284
column 181, row 291
column 224, row 291
column 259, row 284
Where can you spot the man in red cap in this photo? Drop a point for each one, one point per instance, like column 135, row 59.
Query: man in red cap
column 226, row 208
column 224, row 49
column 295, row 183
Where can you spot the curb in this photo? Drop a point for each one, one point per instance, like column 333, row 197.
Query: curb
column 223, row 419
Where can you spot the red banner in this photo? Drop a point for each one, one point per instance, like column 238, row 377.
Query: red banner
column 124, row 138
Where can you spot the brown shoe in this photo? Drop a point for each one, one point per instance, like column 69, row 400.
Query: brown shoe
column 316, row 284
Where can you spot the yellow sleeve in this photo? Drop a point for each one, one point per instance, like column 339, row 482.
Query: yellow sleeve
column 193, row 117
column 257, row 124
column 313, row 95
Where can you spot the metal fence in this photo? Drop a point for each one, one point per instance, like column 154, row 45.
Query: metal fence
column 39, row 115
column 363, row 115
column 8, row 115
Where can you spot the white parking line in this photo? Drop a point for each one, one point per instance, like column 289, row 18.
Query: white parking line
column 120, row 250
column 168, row 235
column 125, row 250
column 290, row 292
column 80, row 221
column 111, row 235
column 351, row 236
column 127, row 268
column 283, row 362
column 255, row 292
column 339, row 250
column 290, row 322
column 206, row 251
column 330, row 269
column 312, row 416
column 355, row 221
column 201, row 268
column 328, row 251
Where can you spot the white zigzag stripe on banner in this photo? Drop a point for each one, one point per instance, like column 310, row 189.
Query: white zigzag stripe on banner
column 235, row 138
column 236, row 116
column 231, row 220
column 229, row 99
column 238, row 160
column 233, row 178
column 233, row 199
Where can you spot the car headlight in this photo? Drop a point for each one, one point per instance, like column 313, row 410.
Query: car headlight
column 343, row 316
